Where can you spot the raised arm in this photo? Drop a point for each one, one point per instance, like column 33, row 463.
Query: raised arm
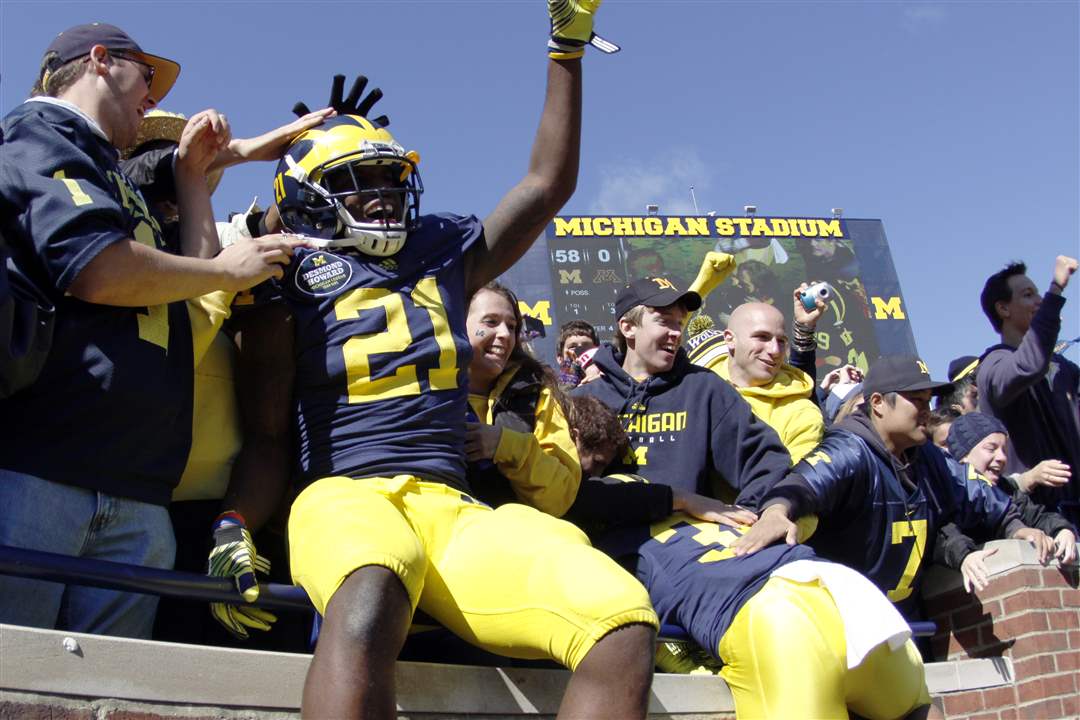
column 803, row 343
column 525, row 211
column 271, row 144
column 1003, row 376
column 204, row 135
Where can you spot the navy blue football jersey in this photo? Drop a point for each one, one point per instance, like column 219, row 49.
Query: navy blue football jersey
column 382, row 356
column 111, row 409
column 871, row 522
column 694, row 579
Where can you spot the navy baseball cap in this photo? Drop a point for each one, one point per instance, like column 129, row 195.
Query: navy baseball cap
column 76, row 42
column 654, row 292
column 962, row 366
column 901, row 373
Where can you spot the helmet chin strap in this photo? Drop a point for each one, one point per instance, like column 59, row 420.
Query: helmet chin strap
column 347, row 242
column 318, row 243
column 377, row 244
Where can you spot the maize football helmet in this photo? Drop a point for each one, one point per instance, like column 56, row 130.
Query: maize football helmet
column 349, row 183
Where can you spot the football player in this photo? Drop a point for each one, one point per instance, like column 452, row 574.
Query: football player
column 753, row 613
column 370, row 341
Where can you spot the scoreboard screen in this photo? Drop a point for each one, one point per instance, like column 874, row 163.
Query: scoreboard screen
column 575, row 271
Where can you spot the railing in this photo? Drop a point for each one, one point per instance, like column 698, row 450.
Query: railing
column 40, row 565
column 136, row 578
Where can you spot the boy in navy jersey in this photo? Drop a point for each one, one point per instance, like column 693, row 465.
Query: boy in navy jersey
column 881, row 491
column 100, row 439
column 370, row 343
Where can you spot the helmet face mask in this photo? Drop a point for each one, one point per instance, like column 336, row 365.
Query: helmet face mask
column 348, row 182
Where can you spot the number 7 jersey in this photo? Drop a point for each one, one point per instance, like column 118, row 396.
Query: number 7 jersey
column 880, row 526
column 382, row 356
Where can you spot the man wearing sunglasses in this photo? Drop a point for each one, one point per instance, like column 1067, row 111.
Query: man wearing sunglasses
column 93, row 448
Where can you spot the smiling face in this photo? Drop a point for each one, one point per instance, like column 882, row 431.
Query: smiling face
column 126, row 83
column 492, row 327
column 758, row 343
column 653, row 344
column 988, row 456
column 364, row 182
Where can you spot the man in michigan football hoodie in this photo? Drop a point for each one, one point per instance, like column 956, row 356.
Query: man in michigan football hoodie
column 687, row 428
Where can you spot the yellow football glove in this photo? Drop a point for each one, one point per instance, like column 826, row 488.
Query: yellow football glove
column 572, row 29
column 715, row 269
column 234, row 557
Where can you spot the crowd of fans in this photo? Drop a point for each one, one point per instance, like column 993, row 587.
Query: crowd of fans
column 169, row 401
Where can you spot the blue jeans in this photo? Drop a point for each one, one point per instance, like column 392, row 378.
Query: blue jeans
column 43, row 515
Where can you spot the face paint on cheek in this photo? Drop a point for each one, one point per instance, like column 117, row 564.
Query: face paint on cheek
column 480, row 333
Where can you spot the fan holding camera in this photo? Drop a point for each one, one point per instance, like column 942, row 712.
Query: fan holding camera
column 756, row 364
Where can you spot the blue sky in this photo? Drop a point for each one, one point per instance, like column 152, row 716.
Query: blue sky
column 956, row 123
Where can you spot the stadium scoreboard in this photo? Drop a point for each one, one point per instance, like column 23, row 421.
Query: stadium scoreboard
column 576, row 269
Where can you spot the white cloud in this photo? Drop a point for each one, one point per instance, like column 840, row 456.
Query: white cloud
column 627, row 186
column 918, row 16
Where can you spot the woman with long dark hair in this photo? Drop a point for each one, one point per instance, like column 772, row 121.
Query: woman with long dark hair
column 518, row 441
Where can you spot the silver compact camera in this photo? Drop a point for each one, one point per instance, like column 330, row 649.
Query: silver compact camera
column 810, row 295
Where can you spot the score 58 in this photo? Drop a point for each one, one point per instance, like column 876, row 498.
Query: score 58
column 576, row 256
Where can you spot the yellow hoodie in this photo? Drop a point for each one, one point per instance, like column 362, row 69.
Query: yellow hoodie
column 784, row 404
column 542, row 466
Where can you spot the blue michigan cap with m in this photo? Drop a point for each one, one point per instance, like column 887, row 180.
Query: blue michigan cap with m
column 78, row 41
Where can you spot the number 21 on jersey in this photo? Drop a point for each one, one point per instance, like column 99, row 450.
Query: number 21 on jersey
column 396, row 338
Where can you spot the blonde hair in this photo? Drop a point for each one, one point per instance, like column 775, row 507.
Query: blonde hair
column 53, row 82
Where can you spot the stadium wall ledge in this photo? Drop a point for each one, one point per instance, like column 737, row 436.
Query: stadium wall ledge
column 1010, row 651
column 52, row 675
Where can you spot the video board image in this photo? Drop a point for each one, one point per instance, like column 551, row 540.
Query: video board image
column 591, row 257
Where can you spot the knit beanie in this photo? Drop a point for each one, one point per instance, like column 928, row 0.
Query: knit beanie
column 969, row 430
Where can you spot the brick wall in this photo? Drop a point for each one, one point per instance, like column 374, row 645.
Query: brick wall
column 1029, row 613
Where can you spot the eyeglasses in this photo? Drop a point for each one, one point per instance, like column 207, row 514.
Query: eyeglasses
column 147, row 69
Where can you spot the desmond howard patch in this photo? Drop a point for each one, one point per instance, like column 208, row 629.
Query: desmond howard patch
column 322, row 273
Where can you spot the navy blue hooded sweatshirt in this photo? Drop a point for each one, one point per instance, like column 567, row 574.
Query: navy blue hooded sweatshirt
column 691, row 430
column 1034, row 391
column 879, row 514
